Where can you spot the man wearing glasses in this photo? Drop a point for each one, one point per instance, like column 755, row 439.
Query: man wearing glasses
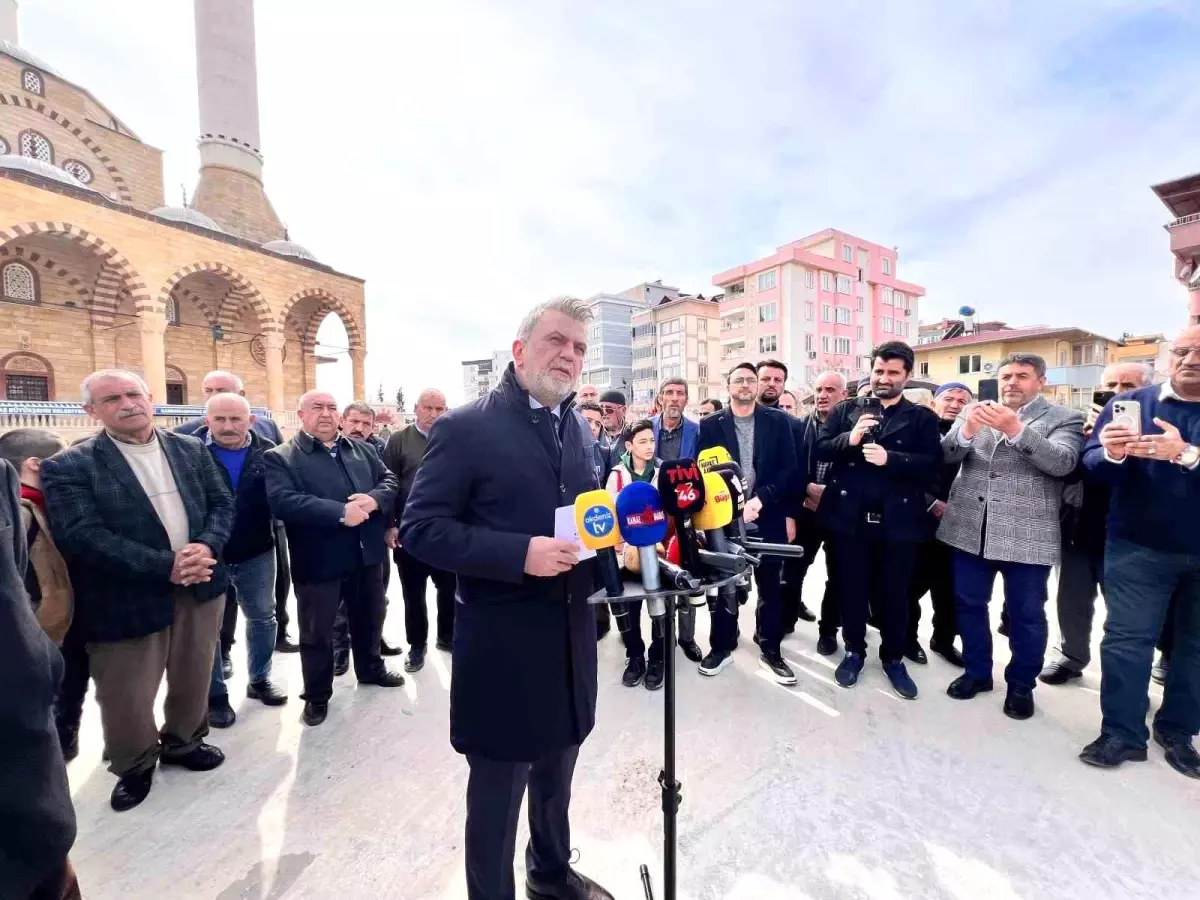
column 612, row 413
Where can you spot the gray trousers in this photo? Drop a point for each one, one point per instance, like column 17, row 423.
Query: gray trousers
column 1080, row 576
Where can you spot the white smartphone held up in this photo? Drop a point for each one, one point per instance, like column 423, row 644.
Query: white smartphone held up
column 1128, row 414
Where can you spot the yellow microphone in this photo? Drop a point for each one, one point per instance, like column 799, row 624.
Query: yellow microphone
column 717, row 511
column 596, row 522
column 713, row 456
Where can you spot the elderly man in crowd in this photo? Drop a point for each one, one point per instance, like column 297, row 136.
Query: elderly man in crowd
column 403, row 455
column 612, row 408
column 142, row 516
column 249, row 552
column 1152, row 556
column 334, row 495
column 1002, row 517
column 588, row 393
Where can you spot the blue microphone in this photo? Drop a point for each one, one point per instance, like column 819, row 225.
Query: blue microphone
column 643, row 524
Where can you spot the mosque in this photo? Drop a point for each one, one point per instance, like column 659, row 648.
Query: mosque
column 98, row 271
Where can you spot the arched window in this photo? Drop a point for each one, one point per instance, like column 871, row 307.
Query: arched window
column 36, row 146
column 79, row 170
column 32, row 82
column 20, row 283
column 172, row 311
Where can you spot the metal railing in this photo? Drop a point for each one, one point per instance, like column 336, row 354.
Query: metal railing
column 1184, row 220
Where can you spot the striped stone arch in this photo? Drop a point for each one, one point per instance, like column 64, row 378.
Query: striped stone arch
column 241, row 293
column 327, row 303
column 37, row 259
column 117, row 276
column 54, row 115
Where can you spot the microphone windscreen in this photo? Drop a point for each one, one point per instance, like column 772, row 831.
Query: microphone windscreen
column 673, row 550
column 713, row 456
column 640, row 515
column 737, row 494
column 596, row 520
column 718, row 506
column 681, row 487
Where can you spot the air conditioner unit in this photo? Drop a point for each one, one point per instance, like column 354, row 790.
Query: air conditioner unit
column 989, row 368
column 908, row 312
column 812, row 354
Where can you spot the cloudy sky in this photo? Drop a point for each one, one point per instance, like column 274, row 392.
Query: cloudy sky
column 471, row 157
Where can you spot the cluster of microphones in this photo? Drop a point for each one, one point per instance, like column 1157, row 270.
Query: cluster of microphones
column 710, row 552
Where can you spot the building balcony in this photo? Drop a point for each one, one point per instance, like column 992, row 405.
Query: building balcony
column 731, row 310
column 1185, row 234
column 1087, row 376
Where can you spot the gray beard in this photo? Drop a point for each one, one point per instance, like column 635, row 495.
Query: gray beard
column 545, row 390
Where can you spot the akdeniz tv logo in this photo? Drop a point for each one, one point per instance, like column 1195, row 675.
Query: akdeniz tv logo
column 599, row 522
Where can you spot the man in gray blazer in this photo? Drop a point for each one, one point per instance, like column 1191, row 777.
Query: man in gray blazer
column 1002, row 517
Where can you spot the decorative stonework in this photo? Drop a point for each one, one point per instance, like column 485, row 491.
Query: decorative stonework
column 258, row 349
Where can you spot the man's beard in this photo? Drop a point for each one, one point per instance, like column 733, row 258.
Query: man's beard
column 546, row 390
column 886, row 392
column 769, row 397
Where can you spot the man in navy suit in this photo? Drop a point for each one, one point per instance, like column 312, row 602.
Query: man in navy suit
column 760, row 440
column 523, row 696
column 141, row 516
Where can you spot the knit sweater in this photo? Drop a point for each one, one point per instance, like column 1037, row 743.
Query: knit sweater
column 1151, row 499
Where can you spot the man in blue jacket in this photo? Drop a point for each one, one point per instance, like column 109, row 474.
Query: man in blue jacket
column 675, row 435
column 523, row 696
column 1153, row 553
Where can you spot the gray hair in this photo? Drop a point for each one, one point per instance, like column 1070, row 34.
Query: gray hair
column 841, row 377
column 359, row 406
column 221, row 373
column 681, row 382
column 1032, row 360
column 572, row 307
column 216, row 398
column 1145, row 370
column 85, row 389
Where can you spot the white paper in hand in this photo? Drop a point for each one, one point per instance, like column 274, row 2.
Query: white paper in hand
column 565, row 530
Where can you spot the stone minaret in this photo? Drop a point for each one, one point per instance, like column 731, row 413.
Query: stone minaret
column 8, row 21
column 231, row 187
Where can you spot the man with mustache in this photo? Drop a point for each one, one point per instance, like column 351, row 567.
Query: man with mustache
column 250, row 551
column 523, row 695
column 334, row 496
column 141, row 516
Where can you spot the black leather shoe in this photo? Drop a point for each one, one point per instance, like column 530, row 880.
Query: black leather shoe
column 416, row 659
column 341, row 662
column 226, row 666
column 573, row 887
column 68, row 739
column 314, row 713
column 1180, row 753
column 635, row 671
column 267, row 693
column 691, row 650
column 827, row 645
column 916, row 653
column 1108, row 752
column 284, row 644
column 654, row 675
column 131, row 789
column 444, row 646
column 805, row 613
column 1057, row 673
column 1018, row 703
column 386, row 649
column 778, row 667
column 201, row 758
column 964, row 687
column 387, row 678
column 220, row 713
column 948, row 652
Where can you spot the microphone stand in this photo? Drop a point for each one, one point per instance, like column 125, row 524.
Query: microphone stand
column 670, row 788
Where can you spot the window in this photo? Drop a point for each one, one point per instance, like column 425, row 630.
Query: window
column 810, row 280
column 671, row 326
column 858, row 333
column 79, row 170
column 766, row 280
column 702, row 348
column 671, row 348
column 702, row 391
column 32, row 82
column 887, row 296
column 864, row 258
column 898, row 299
column 669, row 371
column 702, row 326
column 826, row 343
column 810, row 373
column 738, row 288
column 808, row 342
column 594, row 354
column 887, row 325
column 887, row 265
column 826, row 281
column 969, row 364
column 644, row 330
column 767, row 344
column 809, row 312
column 923, row 368
column 843, row 346
column 862, row 305
column 843, row 315
column 843, row 284
column 645, row 352
column 847, row 253
column 173, row 313
column 767, row 312
column 27, row 387
column 826, row 313
column 703, row 371
column 35, row 146
column 20, row 283
column 593, row 335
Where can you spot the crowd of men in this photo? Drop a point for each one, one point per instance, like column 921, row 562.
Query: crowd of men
column 135, row 548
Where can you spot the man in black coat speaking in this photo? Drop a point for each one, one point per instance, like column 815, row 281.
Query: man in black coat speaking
column 523, row 695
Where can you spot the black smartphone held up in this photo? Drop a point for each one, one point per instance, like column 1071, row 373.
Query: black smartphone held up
column 870, row 406
column 1101, row 398
column 989, row 389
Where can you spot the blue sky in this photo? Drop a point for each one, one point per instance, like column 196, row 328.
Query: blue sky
column 472, row 157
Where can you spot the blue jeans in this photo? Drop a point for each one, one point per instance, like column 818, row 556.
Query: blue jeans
column 1025, row 597
column 255, row 582
column 1138, row 586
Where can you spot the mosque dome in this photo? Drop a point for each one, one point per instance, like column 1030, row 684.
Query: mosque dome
column 39, row 167
column 289, row 248
column 23, row 55
column 187, row 215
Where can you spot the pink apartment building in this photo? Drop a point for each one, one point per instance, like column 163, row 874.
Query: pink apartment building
column 1182, row 197
column 818, row 303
